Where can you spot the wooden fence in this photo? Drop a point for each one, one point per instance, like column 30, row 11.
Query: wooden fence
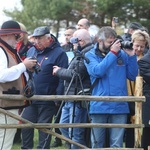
column 43, row 127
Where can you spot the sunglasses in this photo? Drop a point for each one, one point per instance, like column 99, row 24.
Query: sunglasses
column 17, row 36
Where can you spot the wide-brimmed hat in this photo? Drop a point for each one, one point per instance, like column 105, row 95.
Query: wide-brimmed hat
column 10, row 27
column 40, row 31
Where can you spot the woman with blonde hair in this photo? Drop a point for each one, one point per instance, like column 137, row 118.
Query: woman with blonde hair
column 140, row 40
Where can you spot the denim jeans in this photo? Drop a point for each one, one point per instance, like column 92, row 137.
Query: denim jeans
column 72, row 112
column 115, row 134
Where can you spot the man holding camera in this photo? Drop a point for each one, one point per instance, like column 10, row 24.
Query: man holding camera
column 112, row 66
column 12, row 78
column 47, row 52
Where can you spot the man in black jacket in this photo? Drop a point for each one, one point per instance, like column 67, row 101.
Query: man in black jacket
column 73, row 112
column 144, row 66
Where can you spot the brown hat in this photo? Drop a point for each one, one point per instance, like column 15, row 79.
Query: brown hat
column 10, row 27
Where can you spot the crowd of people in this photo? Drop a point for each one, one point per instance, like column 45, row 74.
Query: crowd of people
column 109, row 63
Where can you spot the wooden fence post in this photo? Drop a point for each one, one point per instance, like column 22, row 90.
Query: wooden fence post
column 138, row 111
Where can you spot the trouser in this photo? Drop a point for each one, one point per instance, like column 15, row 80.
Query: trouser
column 116, row 135
column 73, row 113
column 145, row 138
column 37, row 114
column 129, row 135
column 57, row 121
column 7, row 135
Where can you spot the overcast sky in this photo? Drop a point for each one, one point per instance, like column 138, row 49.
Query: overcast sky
column 9, row 5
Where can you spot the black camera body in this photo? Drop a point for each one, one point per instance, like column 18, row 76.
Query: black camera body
column 37, row 67
column 126, row 44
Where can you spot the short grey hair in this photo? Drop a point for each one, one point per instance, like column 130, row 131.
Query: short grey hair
column 106, row 32
column 48, row 35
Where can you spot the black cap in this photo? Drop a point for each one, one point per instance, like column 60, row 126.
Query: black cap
column 10, row 27
column 135, row 26
column 40, row 31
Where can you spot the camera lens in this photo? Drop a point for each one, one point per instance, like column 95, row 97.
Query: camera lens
column 126, row 44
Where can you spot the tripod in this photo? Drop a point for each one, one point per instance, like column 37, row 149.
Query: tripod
column 76, row 80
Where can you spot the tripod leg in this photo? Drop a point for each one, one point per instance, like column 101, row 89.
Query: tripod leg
column 87, row 108
column 59, row 110
column 73, row 116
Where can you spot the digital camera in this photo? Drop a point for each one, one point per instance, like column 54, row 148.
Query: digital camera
column 37, row 67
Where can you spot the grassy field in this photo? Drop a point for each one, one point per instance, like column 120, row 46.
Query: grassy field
column 18, row 146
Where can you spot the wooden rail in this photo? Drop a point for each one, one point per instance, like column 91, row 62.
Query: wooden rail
column 42, row 127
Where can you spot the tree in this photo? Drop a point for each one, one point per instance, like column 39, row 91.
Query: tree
column 62, row 13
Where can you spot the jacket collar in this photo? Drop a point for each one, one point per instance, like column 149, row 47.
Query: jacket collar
column 98, row 51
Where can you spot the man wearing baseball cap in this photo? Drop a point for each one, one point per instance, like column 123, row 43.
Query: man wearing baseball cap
column 47, row 52
column 12, row 78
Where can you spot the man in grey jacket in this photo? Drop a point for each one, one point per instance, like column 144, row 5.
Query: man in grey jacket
column 72, row 111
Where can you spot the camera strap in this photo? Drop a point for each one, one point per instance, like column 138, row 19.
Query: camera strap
column 29, row 89
column 94, row 84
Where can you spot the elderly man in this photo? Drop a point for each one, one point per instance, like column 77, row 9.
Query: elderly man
column 73, row 112
column 12, row 78
column 47, row 52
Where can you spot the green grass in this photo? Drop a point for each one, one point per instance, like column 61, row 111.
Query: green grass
column 18, row 146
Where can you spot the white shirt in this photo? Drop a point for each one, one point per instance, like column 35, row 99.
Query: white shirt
column 9, row 74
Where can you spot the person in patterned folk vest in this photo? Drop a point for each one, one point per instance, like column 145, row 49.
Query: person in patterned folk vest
column 12, row 78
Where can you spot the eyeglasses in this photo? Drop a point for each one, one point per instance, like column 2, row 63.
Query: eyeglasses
column 17, row 36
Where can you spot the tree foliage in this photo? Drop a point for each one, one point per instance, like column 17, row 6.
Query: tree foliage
column 62, row 13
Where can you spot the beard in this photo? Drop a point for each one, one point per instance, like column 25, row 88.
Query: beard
column 106, row 49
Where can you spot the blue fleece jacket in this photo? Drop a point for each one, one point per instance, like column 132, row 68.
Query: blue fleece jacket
column 112, row 71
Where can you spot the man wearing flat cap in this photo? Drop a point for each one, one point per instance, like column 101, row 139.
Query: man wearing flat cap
column 12, row 78
column 48, row 52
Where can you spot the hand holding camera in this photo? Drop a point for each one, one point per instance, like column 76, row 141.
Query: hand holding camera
column 29, row 63
column 32, row 64
column 116, row 46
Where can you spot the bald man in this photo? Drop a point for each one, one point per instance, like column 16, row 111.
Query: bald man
column 83, row 24
column 73, row 111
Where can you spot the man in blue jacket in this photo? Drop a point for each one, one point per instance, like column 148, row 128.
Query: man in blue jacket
column 112, row 66
column 48, row 53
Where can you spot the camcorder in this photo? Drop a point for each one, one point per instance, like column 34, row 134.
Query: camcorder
column 37, row 67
